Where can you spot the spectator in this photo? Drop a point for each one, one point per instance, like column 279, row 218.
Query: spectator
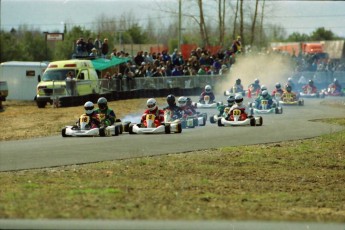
column 89, row 46
column 236, row 45
column 93, row 52
column 105, row 48
column 81, row 46
column 98, row 45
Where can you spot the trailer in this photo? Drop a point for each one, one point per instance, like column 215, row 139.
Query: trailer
column 22, row 78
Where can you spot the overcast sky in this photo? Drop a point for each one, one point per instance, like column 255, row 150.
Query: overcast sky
column 50, row 15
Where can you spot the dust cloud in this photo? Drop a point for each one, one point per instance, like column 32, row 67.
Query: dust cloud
column 269, row 69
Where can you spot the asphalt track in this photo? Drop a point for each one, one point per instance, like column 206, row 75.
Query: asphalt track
column 296, row 122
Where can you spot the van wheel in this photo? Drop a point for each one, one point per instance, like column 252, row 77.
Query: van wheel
column 41, row 104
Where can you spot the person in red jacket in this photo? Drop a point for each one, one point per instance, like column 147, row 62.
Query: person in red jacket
column 310, row 88
column 152, row 108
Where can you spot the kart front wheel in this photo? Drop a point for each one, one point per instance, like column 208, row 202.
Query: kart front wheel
column 167, row 128
column 219, row 122
column 212, row 121
column 63, row 132
column 130, row 129
column 252, row 121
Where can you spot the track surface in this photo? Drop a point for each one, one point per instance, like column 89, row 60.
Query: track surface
column 293, row 124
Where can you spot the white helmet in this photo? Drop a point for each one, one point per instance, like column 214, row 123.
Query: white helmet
column 151, row 104
column 263, row 88
column 208, row 89
column 182, row 101
column 264, row 93
column 88, row 106
column 238, row 99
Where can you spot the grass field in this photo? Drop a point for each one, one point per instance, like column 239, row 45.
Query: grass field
column 294, row 181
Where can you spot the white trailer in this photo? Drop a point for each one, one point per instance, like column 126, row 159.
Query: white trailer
column 21, row 78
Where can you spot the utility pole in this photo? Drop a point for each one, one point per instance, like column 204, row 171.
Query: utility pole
column 179, row 25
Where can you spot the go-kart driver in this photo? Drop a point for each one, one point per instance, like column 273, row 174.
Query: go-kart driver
column 238, row 106
column 224, row 109
column 238, row 87
column 152, row 108
column 176, row 111
column 255, row 86
column 208, row 91
column 288, row 95
column 94, row 121
column 309, row 88
column 277, row 90
column 106, row 115
column 186, row 110
column 335, row 88
column 264, row 96
column 190, row 105
column 290, row 82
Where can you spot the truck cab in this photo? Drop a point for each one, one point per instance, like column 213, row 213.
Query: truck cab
column 55, row 84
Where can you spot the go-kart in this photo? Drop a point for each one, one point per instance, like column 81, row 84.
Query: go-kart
column 308, row 93
column 84, row 130
column 152, row 127
column 235, row 89
column 237, row 120
column 331, row 91
column 214, row 118
column 264, row 108
column 206, row 103
column 191, row 121
column 289, row 100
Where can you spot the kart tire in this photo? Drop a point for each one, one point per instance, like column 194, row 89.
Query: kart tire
column 167, row 128
column 184, row 124
column 126, row 126
column 63, row 132
column 130, row 129
column 117, row 130
column 252, row 121
column 219, row 122
column 102, row 132
column 277, row 110
column 179, row 128
column 195, row 122
column 300, row 102
column 212, row 121
column 260, row 122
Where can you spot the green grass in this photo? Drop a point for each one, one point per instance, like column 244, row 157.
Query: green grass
column 294, row 181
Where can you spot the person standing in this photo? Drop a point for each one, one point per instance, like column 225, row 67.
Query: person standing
column 105, row 48
column 98, row 46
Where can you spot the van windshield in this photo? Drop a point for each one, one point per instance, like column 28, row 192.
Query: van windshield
column 56, row 74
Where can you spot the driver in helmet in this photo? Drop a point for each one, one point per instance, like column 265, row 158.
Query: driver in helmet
column 190, row 105
column 264, row 96
column 238, row 106
column 94, row 121
column 182, row 103
column 176, row 110
column 207, row 92
column 277, row 90
column 309, row 88
column 255, row 86
column 290, row 82
column 335, row 88
column 106, row 114
column 224, row 109
column 288, row 95
column 238, row 87
column 152, row 108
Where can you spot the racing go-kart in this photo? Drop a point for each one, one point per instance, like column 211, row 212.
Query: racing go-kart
column 308, row 93
column 151, row 128
column 289, row 100
column 237, row 120
column 233, row 90
column 264, row 108
column 206, row 104
column 198, row 119
column 84, row 130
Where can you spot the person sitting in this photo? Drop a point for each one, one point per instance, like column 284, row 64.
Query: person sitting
column 176, row 110
column 278, row 90
column 255, row 87
column 309, row 88
column 238, row 87
column 186, row 110
column 238, row 106
column 190, row 105
column 224, row 109
column 106, row 115
column 288, row 95
column 291, row 83
column 264, row 96
column 152, row 108
column 207, row 92
column 335, row 88
column 90, row 116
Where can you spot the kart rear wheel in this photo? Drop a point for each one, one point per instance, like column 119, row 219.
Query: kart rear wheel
column 117, row 130
column 179, row 128
column 102, row 132
column 219, row 122
column 130, row 129
column 212, row 121
column 63, row 132
column 195, row 122
column 167, row 128
column 260, row 122
column 126, row 126
column 252, row 121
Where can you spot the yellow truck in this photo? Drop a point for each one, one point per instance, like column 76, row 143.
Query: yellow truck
column 54, row 84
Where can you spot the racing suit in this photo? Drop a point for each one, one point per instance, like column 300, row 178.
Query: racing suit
column 237, row 88
column 203, row 94
column 308, row 89
column 335, row 89
column 260, row 98
column 176, row 111
column 94, row 121
column 254, row 88
column 159, row 116
column 242, row 108
column 107, row 116
column 274, row 92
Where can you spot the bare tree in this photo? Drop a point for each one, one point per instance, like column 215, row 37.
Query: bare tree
column 221, row 18
column 252, row 35
column 235, row 21
column 202, row 25
column 262, row 22
column 241, row 26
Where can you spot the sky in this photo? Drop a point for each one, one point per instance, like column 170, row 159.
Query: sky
column 50, row 15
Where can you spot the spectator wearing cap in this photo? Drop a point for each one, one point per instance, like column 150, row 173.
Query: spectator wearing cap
column 93, row 52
